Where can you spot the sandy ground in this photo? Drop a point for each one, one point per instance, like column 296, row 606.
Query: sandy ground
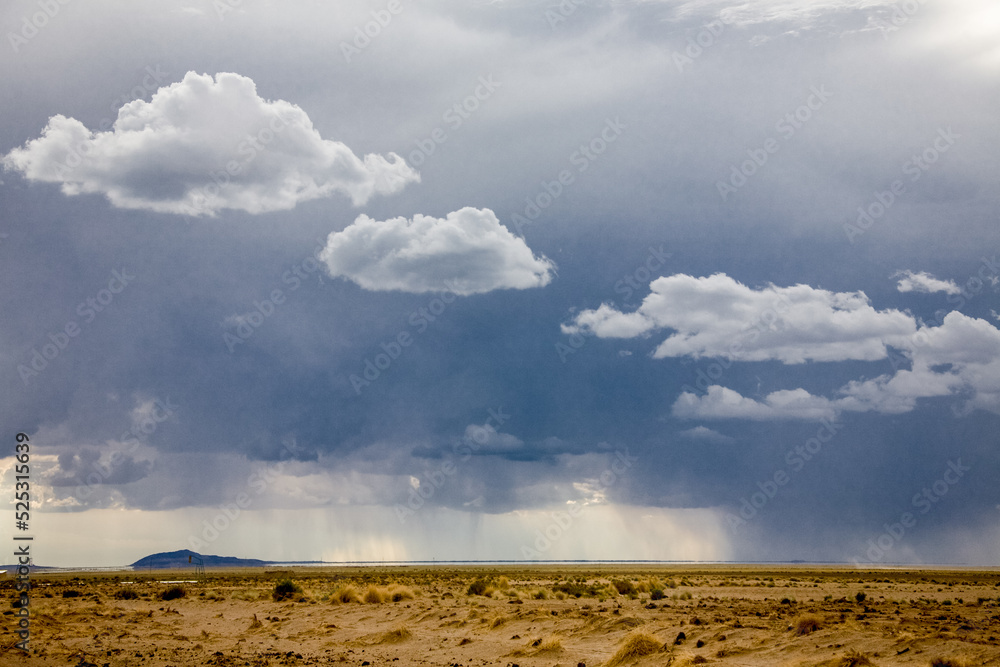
column 530, row 617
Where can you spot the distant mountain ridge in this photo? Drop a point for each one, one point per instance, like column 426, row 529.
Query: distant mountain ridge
column 171, row 560
column 174, row 560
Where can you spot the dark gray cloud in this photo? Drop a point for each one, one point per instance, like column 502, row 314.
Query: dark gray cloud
column 85, row 467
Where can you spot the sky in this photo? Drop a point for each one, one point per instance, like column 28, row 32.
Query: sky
column 502, row 280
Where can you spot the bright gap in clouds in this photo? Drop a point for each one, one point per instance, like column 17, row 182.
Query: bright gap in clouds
column 965, row 29
column 372, row 533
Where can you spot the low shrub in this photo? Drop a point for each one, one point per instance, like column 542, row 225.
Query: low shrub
column 286, row 589
column 624, row 587
column 173, row 593
column 479, row 587
column 807, row 624
column 578, row 590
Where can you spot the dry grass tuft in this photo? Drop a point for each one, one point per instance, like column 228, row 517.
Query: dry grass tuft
column 635, row 646
column 400, row 634
column 807, row 624
column 854, row 658
column 374, row 595
column 345, row 594
column 400, row 593
column 247, row 595
column 551, row 645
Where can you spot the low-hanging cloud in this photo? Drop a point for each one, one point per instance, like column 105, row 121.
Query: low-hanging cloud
column 722, row 403
column 203, row 145
column 87, row 467
column 921, row 281
column 959, row 358
column 720, row 317
column 705, row 434
column 466, row 252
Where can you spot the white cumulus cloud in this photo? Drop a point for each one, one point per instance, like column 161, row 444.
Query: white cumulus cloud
column 722, row 403
column 924, row 282
column 958, row 358
column 466, row 252
column 720, row 317
column 202, row 145
column 961, row 357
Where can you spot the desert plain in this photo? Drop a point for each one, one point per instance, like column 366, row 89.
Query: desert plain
column 510, row 615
